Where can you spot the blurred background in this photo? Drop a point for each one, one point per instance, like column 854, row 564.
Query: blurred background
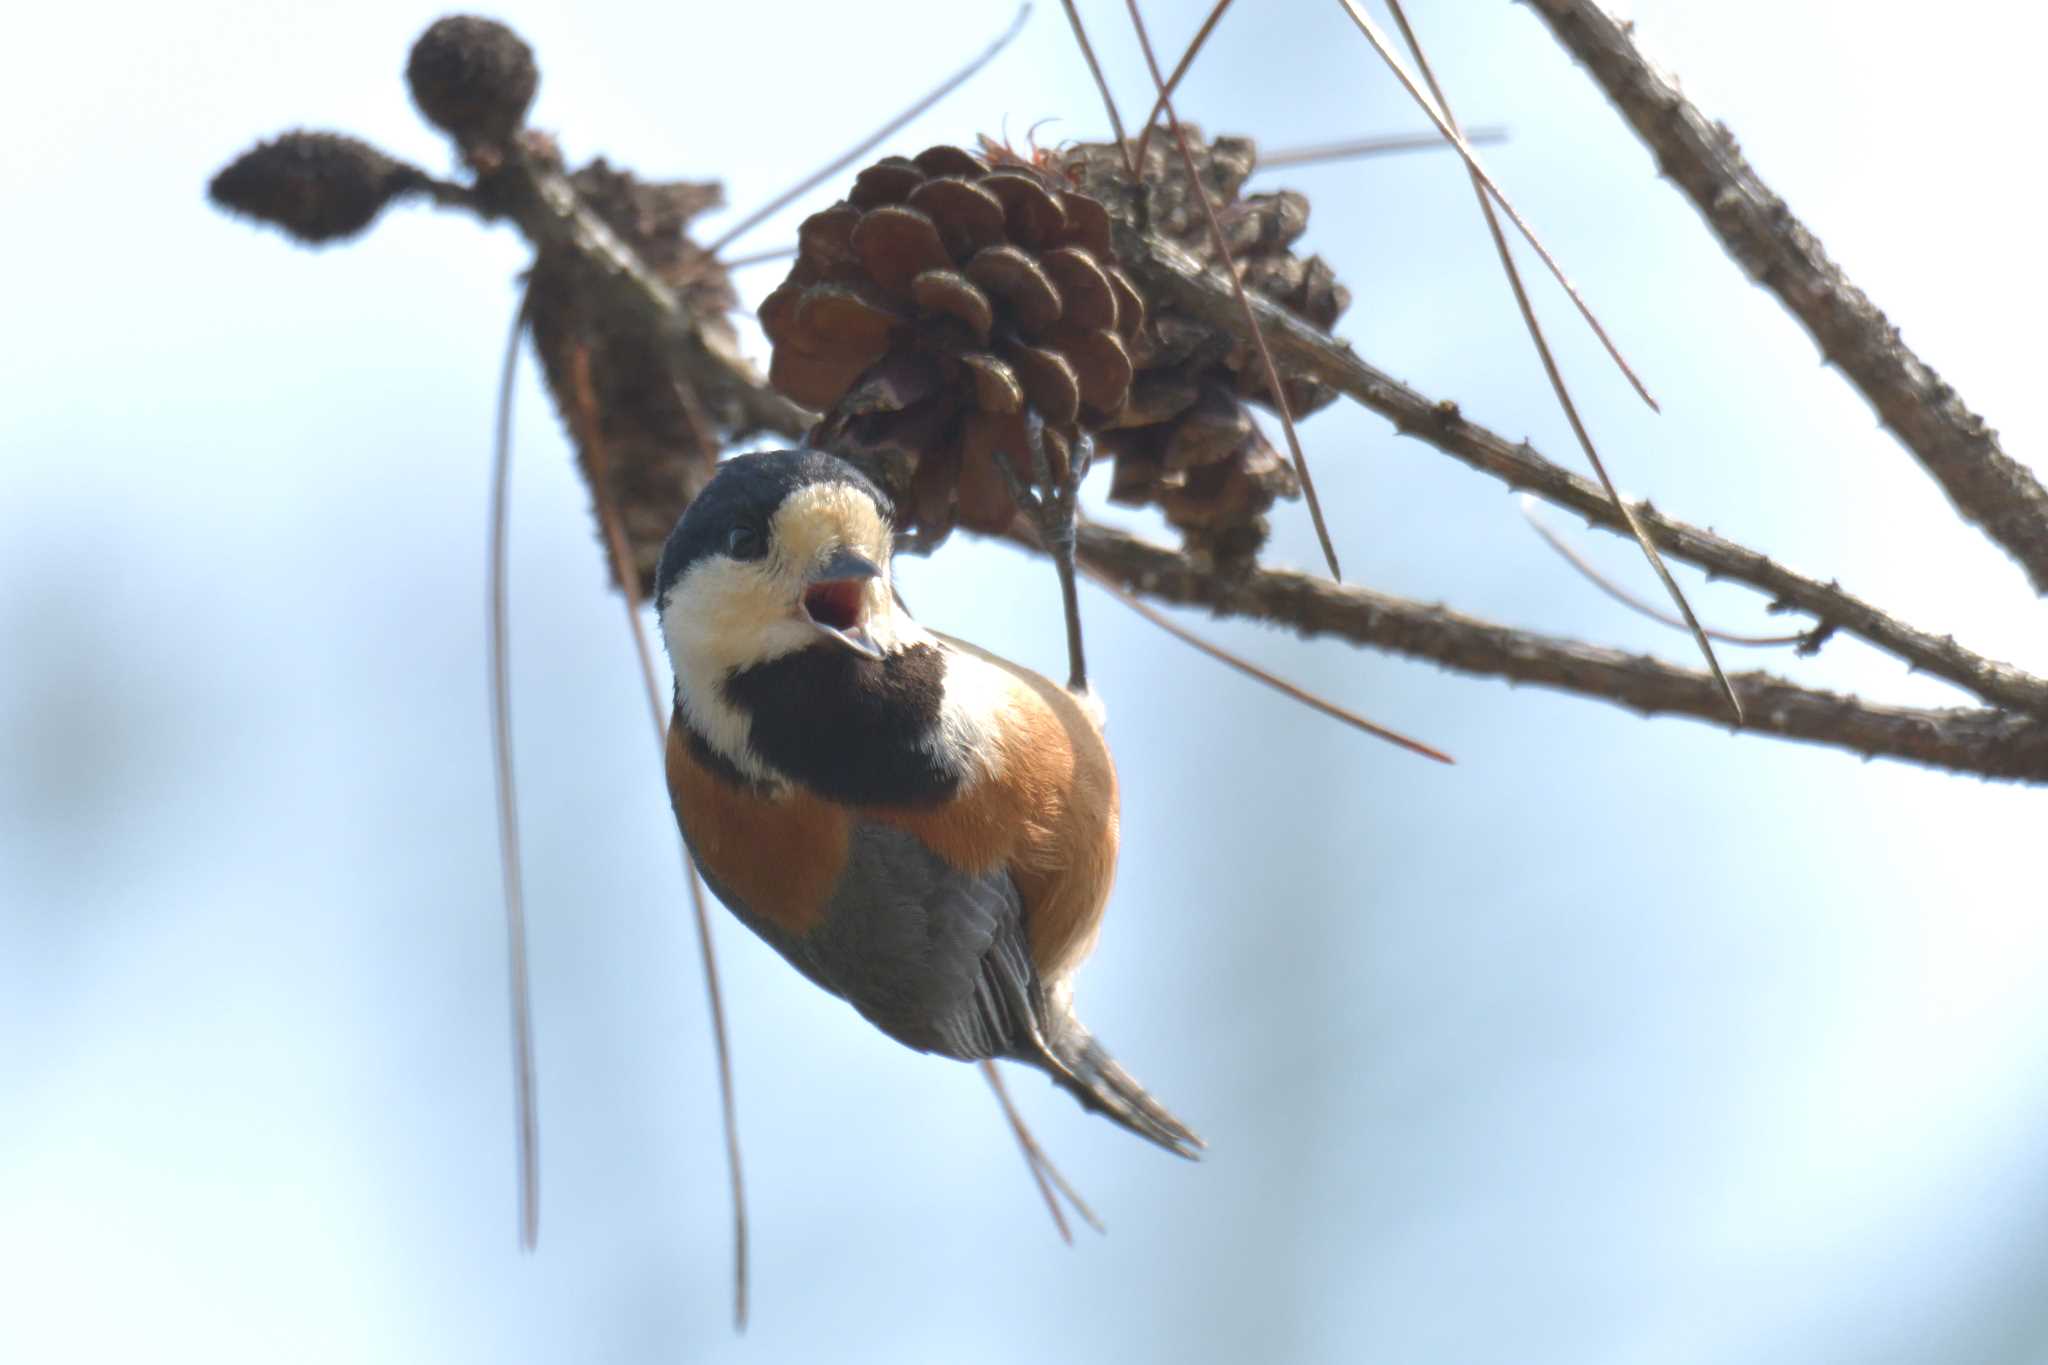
column 1619, row 1041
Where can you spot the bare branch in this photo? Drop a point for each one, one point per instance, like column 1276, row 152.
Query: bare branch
column 1989, row 488
column 1556, row 376
column 1303, row 350
column 1298, row 348
column 547, row 209
column 557, row 217
column 1988, row 743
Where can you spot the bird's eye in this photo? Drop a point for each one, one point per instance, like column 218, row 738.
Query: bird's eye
column 745, row 542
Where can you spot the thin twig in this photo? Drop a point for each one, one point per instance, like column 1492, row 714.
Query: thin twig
column 1051, row 1172
column 1046, row 1175
column 1221, row 246
column 1556, row 376
column 1190, row 287
column 715, row 998
column 1062, row 499
column 590, row 438
column 1180, row 69
column 1628, row 599
column 1444, row 126
column 1987, row 743
column 1030, row 1149
column 1116, row 123
column 1951, row 442
column 546, row 207
column 556, row 217
column 868, row 143
column 551, row 214
column 1109, row 584
column 1325, row 152
column 527, row 1122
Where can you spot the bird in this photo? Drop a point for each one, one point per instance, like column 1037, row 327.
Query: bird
column 920, row 827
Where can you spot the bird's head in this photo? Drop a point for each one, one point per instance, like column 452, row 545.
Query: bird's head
column 784, row 551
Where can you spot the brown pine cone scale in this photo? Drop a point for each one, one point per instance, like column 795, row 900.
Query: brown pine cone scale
column 947, row 315
column 955, row 307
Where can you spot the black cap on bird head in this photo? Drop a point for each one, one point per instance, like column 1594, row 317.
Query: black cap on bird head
column 745, row 493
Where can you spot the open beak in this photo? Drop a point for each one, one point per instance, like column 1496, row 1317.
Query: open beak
column 836, row 597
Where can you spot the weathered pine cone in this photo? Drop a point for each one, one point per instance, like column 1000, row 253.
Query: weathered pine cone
column 1186, row 441
column 659, row 445
column 936, row 311
column 950, row 298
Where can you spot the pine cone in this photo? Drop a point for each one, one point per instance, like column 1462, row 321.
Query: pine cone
column 1186, row 440
column 938, row 310
column 660, row 446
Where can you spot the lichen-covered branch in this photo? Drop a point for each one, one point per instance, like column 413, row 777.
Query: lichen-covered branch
column 1989, row 743
column 1302, row 350
column 1953, row 444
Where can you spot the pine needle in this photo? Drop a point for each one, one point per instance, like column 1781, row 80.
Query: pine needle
column 1556, row 376
column 526, row 1126
column 590, row 436
column 1222, row 248
column 868, row 143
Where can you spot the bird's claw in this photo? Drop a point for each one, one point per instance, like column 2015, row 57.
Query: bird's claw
column 1055, row 513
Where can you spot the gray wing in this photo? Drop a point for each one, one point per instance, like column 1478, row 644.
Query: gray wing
column 933, row 956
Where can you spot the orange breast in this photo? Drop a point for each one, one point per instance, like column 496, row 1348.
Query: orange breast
column 781, row 857
column 1048, row 816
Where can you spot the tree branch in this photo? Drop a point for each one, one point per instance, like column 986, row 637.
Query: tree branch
column 1989, row 488
column 539, row 199
column 547, row 208
column 521, row 179
column 1302, row 350
column 1985, row 742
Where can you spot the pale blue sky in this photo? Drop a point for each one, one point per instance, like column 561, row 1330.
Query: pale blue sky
column 1620, row 1041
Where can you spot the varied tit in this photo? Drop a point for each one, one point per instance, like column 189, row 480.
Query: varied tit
column 923, row 829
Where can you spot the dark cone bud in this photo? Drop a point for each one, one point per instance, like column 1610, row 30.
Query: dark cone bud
column 319, row 187
column 473, row 78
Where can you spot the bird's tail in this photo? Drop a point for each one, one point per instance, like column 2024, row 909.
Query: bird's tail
column 1084, row 1067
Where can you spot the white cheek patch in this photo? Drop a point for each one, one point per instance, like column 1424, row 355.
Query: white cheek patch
column 723, row 615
